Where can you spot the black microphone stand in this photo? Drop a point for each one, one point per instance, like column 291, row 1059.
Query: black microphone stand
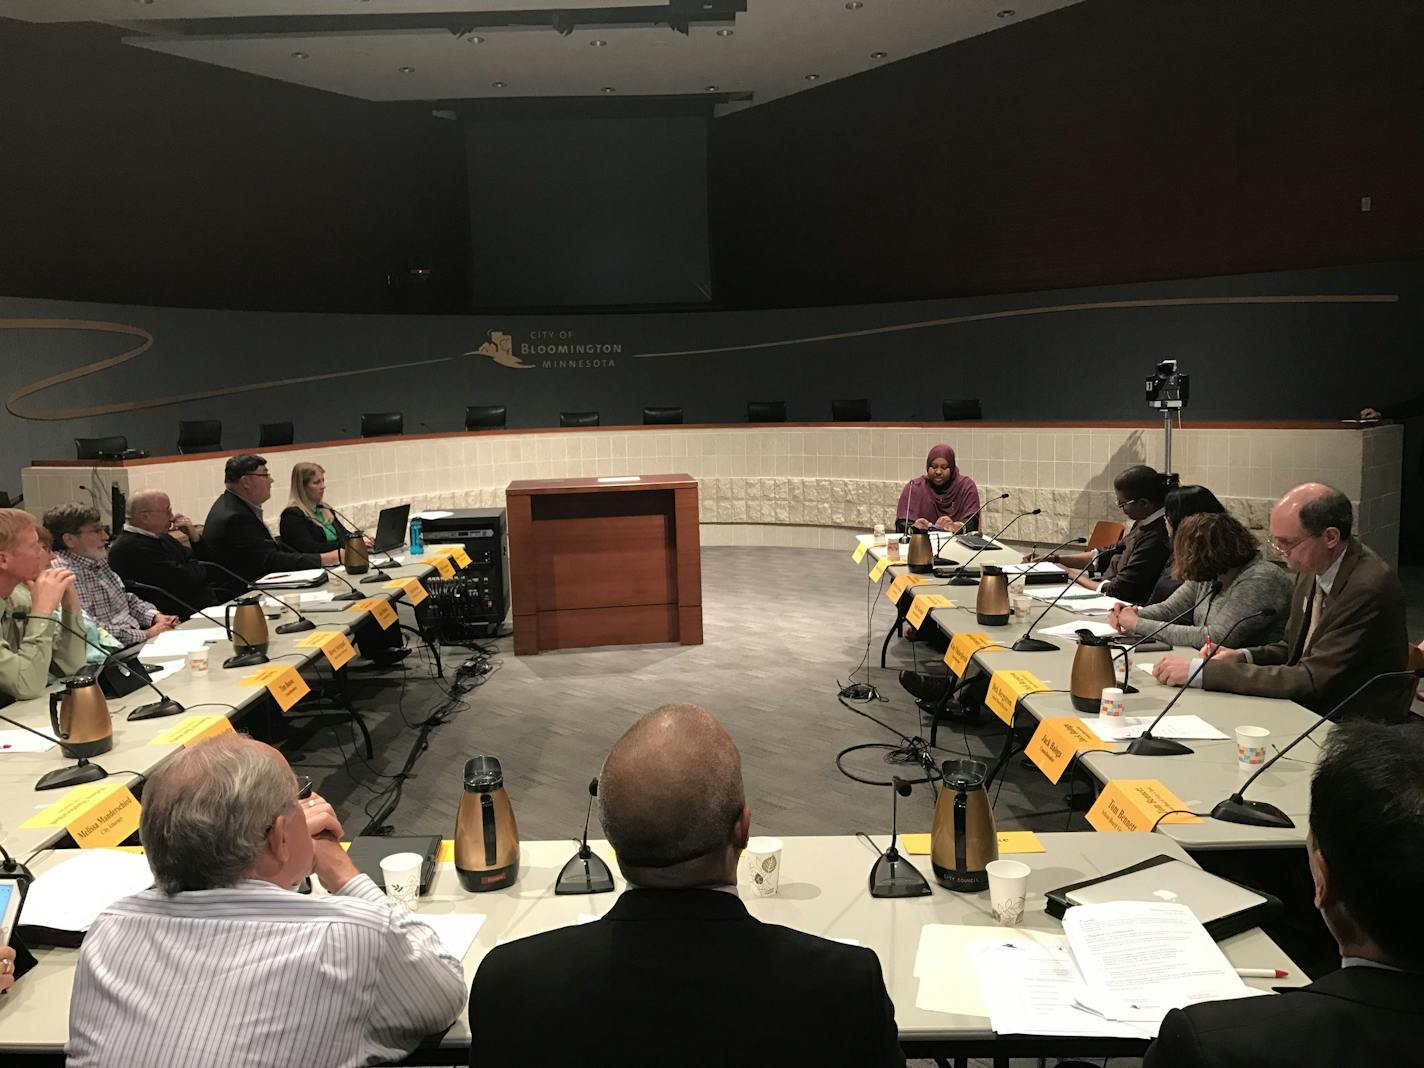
column 353, row 593
column 959, row 578
column 586, row 872
column 1235, row 809
column 247, row 659
column 301, row 623
column 892, row 875
column 1145, row 744
column 379, row 576
column 1029, row 644
column 1045, row 558
column 82, row 772
column 164, row 706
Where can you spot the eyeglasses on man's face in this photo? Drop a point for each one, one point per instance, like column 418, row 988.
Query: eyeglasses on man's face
column 1290, row 545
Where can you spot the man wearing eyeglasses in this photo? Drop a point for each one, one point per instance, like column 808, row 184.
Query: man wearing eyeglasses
column 1347, row 620
column 235, row 535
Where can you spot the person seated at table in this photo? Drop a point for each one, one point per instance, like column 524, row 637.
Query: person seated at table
column 1180, row 503
column 309, row 525
column 148, row 550
column 31, row 644
column 660, row 979
column 1226, row 578
column 98, row 642
column 1366, row 853
column 80, row 546
column 236, row 537
column 1136, row 561
column 223, row 962
column 1346, row 620
column 943, row 497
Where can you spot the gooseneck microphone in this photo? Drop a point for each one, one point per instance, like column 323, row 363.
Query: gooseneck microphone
column 1030, row 644
column 892, row 875
column 586, row 872
column 959, row 578
column 164, row 706
column 352, row 594
column 1235, row 809
column 379, row 576
column 1145, row 744
column 299, row 624
column 83, row 771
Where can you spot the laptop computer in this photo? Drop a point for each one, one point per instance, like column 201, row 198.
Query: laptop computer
column 391, row 526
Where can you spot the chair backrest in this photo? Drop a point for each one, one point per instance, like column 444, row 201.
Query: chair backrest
column 269, row 434
column 199, row 435
column 662, row 415
column 766, row 411
column 578, row 419
column 485, row 416
column 850, row 411
column 1105, row 532
column 98, row 448
column 378, row 424
column 961, row 411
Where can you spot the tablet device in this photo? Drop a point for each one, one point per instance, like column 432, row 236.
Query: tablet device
column 368, row 849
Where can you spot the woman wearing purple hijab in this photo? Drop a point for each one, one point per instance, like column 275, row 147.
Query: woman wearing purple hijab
column 942, row 497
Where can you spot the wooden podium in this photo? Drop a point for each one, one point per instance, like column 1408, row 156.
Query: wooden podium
column 604, row 561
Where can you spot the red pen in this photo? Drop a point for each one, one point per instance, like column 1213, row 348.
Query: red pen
column 1262, row 973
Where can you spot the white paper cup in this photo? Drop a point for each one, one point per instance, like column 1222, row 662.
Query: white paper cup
column 401, row 872
column 1008, row 886
column 1251, row 745
column 879, row 533
column 198, row 662
column 762, row 864
column 1111, row 706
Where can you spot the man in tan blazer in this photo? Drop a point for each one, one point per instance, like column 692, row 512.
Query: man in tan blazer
column 1346, row 620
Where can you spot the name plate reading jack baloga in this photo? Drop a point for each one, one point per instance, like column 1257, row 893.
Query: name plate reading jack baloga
column 96, row 815
column 1057, row 741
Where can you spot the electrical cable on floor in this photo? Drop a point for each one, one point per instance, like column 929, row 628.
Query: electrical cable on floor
column 865, row 691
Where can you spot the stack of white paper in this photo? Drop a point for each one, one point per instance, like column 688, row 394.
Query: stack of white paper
column 1038, row 567
column 456, row 931
column 1125, row 728
column 23, row 742
column 1072, row 593
column 1070, row 630
column 181, row 642
column 278, row 579
column 70, row 896
column 1037, row 990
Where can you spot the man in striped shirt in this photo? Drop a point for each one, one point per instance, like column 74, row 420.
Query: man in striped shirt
column 222, row 962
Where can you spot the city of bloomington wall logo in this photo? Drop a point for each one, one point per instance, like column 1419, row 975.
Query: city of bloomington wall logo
column 556, row 350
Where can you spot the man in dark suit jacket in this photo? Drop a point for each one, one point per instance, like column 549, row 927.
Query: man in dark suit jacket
column 145, row 551
column 1366, row 848
column 673, row 971
column 235, row 535
column 1346, row 623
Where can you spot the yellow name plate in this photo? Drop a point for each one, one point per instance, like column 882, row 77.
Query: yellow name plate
column 96, row 815
column 283, row 682
column 901, row 584
column 333, row 645
column 1005, row 689
column 1136, row 805
column 920, row 607
column 193, row 729
column 414, row 591
column 860, row 551
column 918, row 845
column 441, row 563
column 963, row 646
column 879, row 568
column 1055, row 743
column 462, row 558
column 379, row 607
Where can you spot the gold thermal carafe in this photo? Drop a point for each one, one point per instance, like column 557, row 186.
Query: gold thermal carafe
column 963, row 840
column 355, row 556
column 246, row 625
column 80, row 717
column 920, row 556
column 991, row 607
column 486, row 836
column 1092, row 671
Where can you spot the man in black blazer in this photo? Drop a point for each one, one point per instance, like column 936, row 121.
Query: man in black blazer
column 677, row 969
column 235, row 535
column 144, row 551
column 1366, row 848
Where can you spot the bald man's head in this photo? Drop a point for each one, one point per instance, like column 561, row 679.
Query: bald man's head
column 1310, row 526
column 150, row 510
column 671, row 799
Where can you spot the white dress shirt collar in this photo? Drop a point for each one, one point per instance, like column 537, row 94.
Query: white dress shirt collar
column 129, row 528
column 1326, row 579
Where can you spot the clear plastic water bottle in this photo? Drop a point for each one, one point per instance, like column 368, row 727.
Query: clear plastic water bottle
column 417, row 543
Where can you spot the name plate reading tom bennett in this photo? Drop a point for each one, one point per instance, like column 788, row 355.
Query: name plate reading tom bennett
column 1137, row 805
column 96, row 815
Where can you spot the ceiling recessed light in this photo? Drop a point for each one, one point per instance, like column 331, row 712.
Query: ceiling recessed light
column 475, row 38
column 813, row 77
column 407, row 70
column 596, row 43
column 301, row 55
column 724, row 33
column 711, row 89
column 854, row 5
column 608, row 89
column 497, row 85
column 877, row 55
column 1007, row 13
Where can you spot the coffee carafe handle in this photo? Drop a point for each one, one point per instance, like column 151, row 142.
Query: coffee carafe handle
column 961, row 848
column 54, row 700
column 487, row 825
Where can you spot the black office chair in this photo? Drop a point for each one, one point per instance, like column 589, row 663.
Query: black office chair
column 379, row 424
column 269, row 434
column 850, row 411
column 199, row 435
column 766, row 411
column 485, row 416
column 100, row 448
column 662, row 415
column 578, row 419
column 961, row 411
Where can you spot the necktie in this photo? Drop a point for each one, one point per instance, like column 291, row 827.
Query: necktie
column 1317, row 607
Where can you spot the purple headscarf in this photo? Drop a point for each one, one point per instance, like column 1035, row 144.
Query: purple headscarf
column 921, row 500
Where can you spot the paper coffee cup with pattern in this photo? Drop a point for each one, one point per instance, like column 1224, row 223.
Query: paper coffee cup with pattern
column 761, row 865
column 1251, row 745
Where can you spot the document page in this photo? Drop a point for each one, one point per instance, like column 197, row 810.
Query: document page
column 1035, row 989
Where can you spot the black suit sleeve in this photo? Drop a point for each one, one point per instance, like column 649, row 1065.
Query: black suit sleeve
column 301, row 534
column 250, row 551
column 882, row 1035
column 1177, row 1045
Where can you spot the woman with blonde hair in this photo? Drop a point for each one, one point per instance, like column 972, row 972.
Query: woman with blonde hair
column 309, row 524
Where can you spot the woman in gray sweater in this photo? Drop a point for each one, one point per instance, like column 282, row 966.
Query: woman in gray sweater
column 1226, row 578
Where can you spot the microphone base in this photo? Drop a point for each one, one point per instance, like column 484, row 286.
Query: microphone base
column 584, row 875
column 894, row 876
column 156, row 710
column 1033, row 645
column 1147, row 745
column 250, row 658
column 349, row 595
column 1252, row 813
column 379, row 576
column 80, row 773
column 296, row 626
column 962, row 580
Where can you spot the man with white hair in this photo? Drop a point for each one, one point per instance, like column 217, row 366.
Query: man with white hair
column 223, row 962
column 31, row 592
column 148, row 550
